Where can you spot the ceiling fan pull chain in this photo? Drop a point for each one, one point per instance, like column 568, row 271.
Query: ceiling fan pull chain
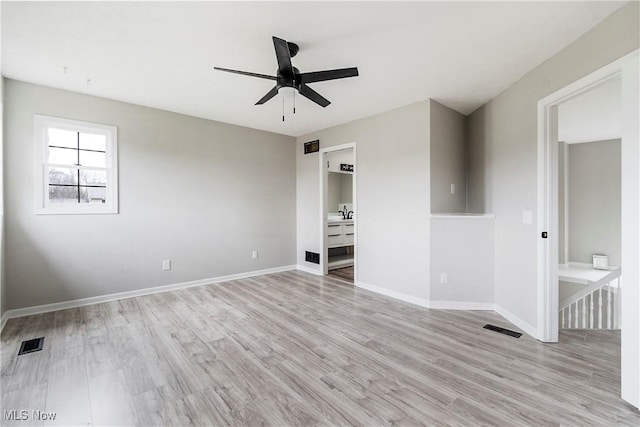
column 294, row 98
column 283, row 108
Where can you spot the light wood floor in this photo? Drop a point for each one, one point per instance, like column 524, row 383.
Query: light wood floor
column 295, row 349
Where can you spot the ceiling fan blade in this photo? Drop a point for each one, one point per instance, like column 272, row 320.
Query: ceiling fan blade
column 273, row 92
column 284, row 56
column 314, row 96
column 245, row 73
column 321, row 76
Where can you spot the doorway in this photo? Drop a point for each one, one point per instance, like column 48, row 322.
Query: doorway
column 338, row 212
column 548, row 218
column 589, row 208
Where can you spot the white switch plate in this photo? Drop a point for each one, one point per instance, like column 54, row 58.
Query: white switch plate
column 444, row 278
column 527, row 217
column 254, row 255
column 453, row 189
column 166, row 265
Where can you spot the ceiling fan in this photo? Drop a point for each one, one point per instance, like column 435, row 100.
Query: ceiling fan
column 289, row 76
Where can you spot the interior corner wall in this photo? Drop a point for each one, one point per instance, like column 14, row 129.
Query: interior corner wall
column 201, row 193
column 448, row 159
column 392, row 210
column 506, row 129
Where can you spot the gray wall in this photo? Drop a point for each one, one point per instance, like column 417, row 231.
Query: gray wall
column 562, row 218
column 201, row 193
column 479, row 177
column 463, row 248
column 392, row 186
column 506, row 129
column 594, row 201
column 448, row 159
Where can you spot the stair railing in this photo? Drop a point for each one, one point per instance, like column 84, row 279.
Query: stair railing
column 580, row 312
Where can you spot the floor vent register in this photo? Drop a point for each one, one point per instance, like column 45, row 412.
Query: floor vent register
column 503, row 330
column 30, row 346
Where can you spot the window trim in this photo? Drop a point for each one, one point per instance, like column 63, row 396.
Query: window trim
column 43, row 206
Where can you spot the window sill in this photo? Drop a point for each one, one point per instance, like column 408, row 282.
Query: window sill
column 86, row 211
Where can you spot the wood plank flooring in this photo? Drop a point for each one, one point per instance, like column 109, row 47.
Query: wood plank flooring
column 296, row 349
column 345, row 273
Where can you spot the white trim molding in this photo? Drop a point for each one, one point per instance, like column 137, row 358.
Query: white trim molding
column 422, row 302
column 517, row 321
column 394, row 294
column 461, row 305
column 308, row 270
column 63, row 305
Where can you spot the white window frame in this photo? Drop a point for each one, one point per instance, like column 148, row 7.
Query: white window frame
column 43, row 206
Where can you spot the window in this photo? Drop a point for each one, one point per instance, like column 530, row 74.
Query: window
column 77, row 170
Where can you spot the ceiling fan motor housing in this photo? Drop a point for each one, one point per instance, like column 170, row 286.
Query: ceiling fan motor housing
column 292, row 80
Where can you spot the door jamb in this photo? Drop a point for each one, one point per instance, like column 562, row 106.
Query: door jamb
column 324, row 265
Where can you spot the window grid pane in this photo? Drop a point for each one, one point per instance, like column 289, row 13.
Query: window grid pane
column 93, row 142
column 75, row 185
column 79, row 165
column 62, row 138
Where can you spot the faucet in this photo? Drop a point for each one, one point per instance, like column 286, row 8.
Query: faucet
column 349, row 215
column 344, row 212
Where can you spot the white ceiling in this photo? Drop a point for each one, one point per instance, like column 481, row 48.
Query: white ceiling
column 595, row 115
column 161, row 54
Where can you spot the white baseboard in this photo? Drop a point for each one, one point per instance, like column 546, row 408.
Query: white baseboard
column 308, row 270
column 517, row 321
column 38, row 309
column 461, row 305
column 422, row 302
column 394, row 294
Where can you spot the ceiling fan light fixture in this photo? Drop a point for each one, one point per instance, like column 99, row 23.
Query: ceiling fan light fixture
column 289, row 77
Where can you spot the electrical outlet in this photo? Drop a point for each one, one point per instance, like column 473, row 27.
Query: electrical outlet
column 166, row 265
column 254, row 255
column 444, row 278
column 453, row 189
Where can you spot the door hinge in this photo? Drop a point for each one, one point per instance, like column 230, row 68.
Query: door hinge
column 544, row 235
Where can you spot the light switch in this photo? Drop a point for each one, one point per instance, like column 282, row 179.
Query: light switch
column 453, row 189
column 166, row 265
column 527, row 217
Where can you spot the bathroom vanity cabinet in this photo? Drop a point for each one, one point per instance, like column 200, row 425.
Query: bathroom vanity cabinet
column 340, row 234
